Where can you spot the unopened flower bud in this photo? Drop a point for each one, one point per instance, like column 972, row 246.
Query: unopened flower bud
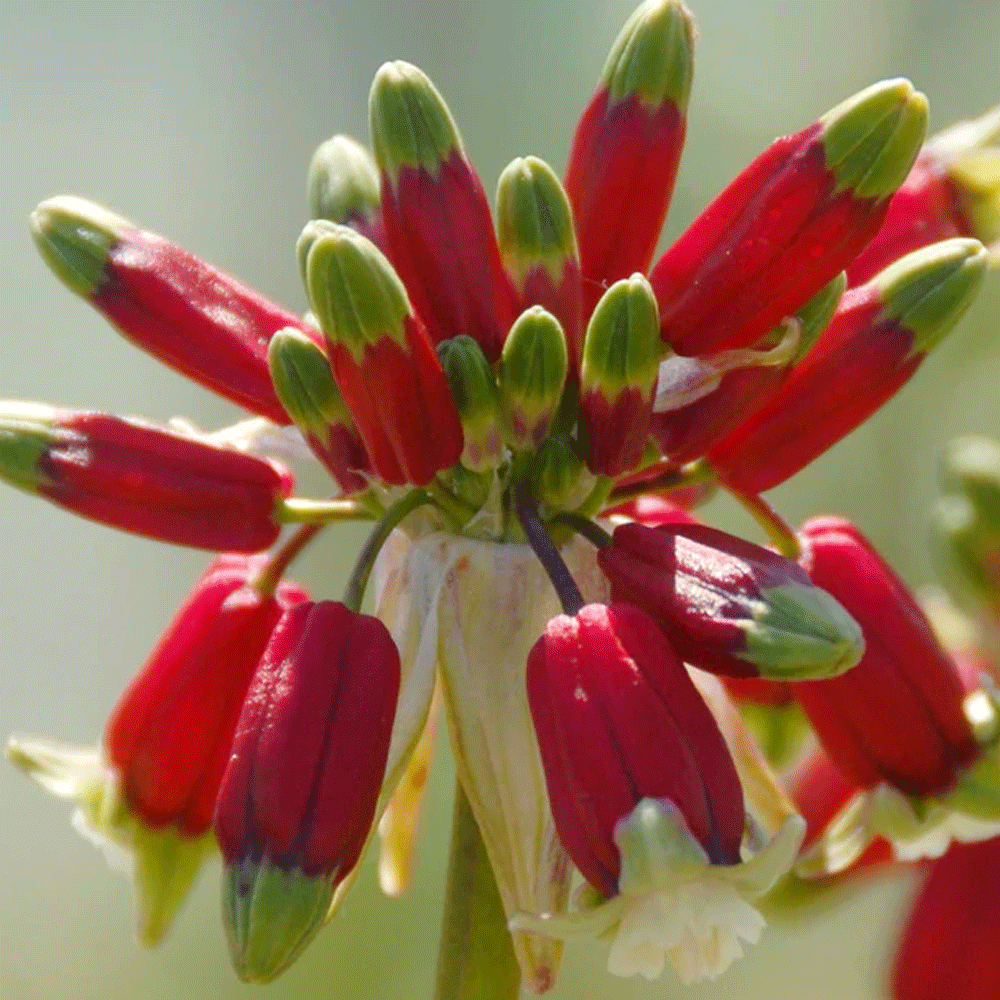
column 299, row 793
column 382, row 360
column 140, row 478
column 186, row 313
column 436, row 214
column 531, row 377
column 344, row 187
column 627, row 145
column 538, row 247
column 924, row 743
column 730, row 606
column 764, row 246
column 621, row 355
column 599, row 684
column 304, row 383
column 878, row 337
column 474, row 389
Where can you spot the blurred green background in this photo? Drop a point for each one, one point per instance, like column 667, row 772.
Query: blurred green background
column 198, row 121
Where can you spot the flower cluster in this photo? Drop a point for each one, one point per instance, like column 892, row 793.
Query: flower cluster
column 529, row 410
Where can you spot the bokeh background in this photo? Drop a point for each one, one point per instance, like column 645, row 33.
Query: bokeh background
column 198, row 121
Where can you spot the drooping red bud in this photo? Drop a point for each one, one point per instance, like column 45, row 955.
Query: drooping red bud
column 140, row 478
column 730, row 606
column 299, row 793
column 186, row 313
column 169, row 736
column 618, row 719
column 897, row 716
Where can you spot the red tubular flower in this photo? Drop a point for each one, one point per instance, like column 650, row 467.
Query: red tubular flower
column 618, row 720
column 298, row 796
column 139, row 478
column 170, row 734
column 789, row 223
column 875, row 342
column 628, row 142
column 730, row 606
column 186, row 313
column 436, row 214
column 952, row 937
column 897, row 716
column 382, row 360
column 652, row 511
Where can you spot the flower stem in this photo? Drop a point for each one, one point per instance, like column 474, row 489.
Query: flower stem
column 354, row 593
column 777, row 529
column 590, row 530
column 324, row 511
column 476, row 960
column 548, row 555
column 670, row 478
column 266, row 582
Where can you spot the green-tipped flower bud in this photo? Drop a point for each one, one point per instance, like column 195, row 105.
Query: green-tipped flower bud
column 652, row 58
column 534, row 220
column 621, row 359
column 300, row 371
column 474, row 390
column 538, row 246
column 311, row 232
column 890, row 117
column 355, row 293
column 562, row 480
column 410, row 123
column 343, row 181
column 928, row 291
column 531, row 377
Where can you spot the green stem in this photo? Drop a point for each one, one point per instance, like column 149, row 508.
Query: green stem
column 324, row 511
column 449, row 504
column 777, row 529
column 476, row 960
column 354, row 594
column 266, row 582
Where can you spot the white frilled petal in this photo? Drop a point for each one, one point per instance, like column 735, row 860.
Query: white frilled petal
column 474, row 609
column 673, row 903
column 699, row 926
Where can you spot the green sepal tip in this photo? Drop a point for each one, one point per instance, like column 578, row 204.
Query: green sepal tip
column 270, row 916
column 343, row 181
column 927, row 292
column 356, row 294
column 411, row 125
column 653, row 56
column 534, row 220
column 27, row 431
column 622, row 346
column 75, row 237
column 871, row 139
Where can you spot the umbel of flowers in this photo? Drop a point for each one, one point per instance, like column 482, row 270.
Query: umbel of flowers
column 528, row 410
